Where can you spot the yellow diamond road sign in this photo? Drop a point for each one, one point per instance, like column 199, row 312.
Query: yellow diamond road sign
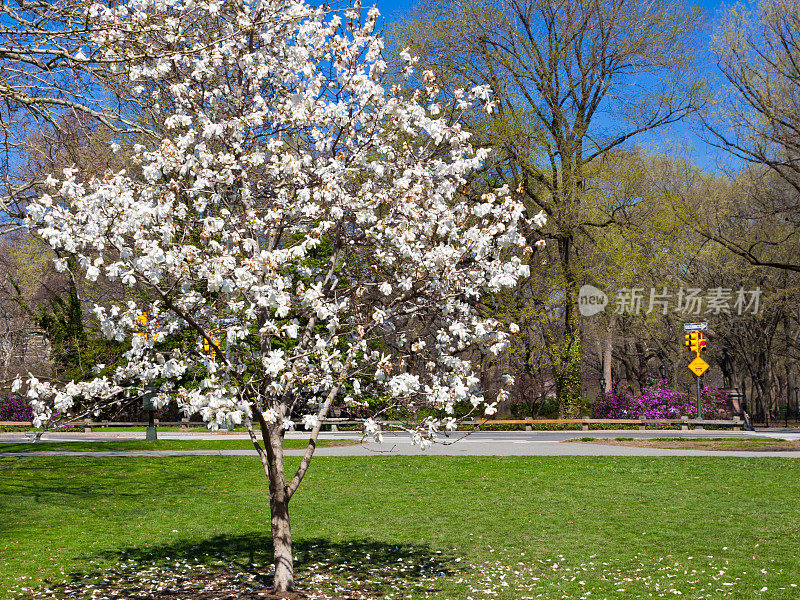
column 698, row 366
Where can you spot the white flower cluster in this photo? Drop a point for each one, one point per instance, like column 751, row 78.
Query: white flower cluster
column 296, row 210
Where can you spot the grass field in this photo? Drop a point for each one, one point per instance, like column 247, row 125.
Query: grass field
column 157, row 445
column 757, row 444
column 419, row 527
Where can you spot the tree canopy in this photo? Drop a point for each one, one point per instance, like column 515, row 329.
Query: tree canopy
column 289, row 212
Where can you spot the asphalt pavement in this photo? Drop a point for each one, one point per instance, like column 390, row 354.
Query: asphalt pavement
column 484, row 443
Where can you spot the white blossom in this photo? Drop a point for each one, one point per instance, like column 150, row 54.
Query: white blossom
column 274, row 362
column 273, row 262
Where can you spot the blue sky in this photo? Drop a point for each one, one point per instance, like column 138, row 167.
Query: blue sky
column 392, row 8
column 680, row 139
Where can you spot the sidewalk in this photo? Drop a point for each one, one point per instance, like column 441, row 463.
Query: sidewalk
column 401, row 446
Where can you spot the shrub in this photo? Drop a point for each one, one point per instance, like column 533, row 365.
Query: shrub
column 14, row 408
column 547, row 408
column 658, row 401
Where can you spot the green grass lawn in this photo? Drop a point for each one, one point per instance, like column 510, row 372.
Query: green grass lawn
column 45, row 446
column 422, row 527
column 765, row 444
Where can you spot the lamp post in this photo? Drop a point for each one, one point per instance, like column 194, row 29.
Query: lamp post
column 602, row 380
column 786, row 412
column 663, row 371
column 148, row 404
column 796, row 403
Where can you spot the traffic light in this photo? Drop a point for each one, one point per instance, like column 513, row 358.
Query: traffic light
column 141, row 324
column 691, row 341
column 207, row 348
column 695, row 342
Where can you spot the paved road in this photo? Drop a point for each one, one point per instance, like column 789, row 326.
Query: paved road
column 509, row 443
column 484, row 436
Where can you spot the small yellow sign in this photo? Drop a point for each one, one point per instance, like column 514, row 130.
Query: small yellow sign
column 698, row 366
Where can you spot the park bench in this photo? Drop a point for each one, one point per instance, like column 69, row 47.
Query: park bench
column 735, row 423
column 335, row 422
column 684, row 421
column 88, row 424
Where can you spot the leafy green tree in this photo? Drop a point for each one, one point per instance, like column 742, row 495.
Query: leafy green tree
column 573, row 81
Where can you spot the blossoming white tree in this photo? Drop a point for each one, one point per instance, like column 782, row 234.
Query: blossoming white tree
column 292, row 213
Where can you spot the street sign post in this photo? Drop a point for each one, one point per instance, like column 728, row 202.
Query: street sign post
column 697, row 343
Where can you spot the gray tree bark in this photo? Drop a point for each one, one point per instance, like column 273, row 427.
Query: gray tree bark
column 279, row 511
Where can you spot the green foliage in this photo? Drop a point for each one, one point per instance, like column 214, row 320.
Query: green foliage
column 418, row 413
column 62, row 323
column 73, row 350
column 567, row 369
column 548, row 408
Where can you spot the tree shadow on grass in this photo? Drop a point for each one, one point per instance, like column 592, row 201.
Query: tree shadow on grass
column 371, row 566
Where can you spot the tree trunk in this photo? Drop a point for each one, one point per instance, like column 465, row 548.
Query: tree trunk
column 630, row 369
column 642, row 370
column 279, row 512
column 567, row 366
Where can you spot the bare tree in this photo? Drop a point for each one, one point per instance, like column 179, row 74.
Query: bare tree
column 758, row 122
column 55, row 77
